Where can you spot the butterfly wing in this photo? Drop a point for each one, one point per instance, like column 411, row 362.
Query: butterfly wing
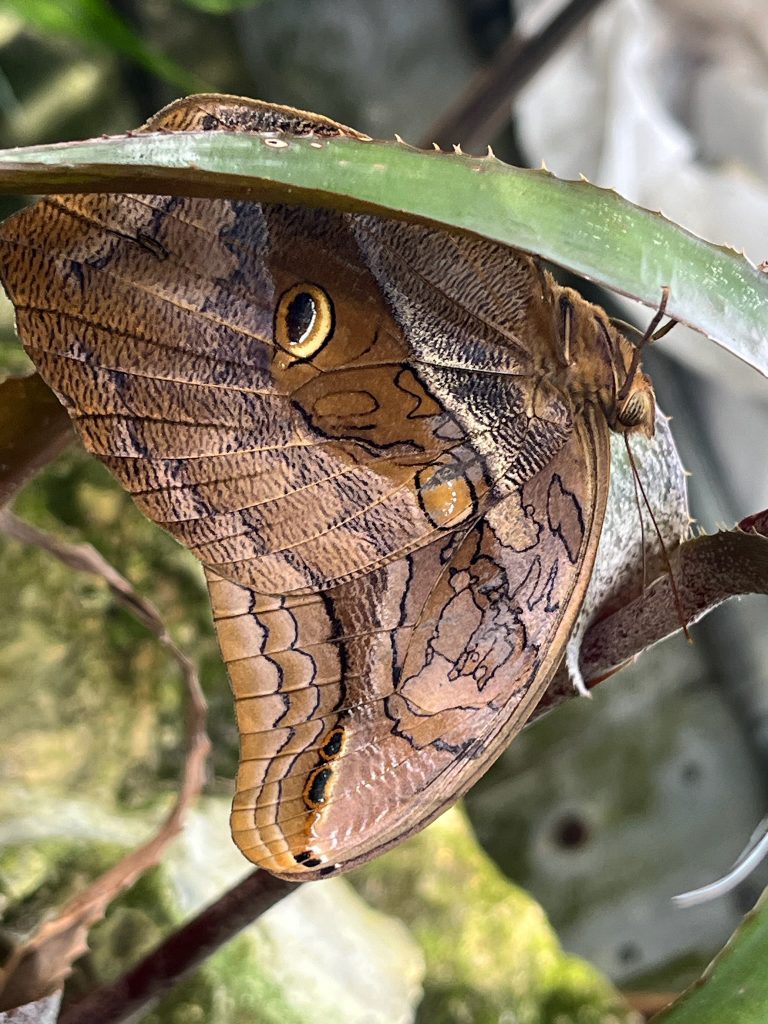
column 397, row 525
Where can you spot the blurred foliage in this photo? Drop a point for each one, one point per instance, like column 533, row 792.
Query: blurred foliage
column 221, row 6
column 94, row 22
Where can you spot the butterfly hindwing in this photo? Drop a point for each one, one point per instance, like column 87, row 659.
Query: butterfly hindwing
column 366, row 710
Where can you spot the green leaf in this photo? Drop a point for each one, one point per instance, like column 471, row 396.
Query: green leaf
column 734, row 988
column 591, row 230
column 95, row 23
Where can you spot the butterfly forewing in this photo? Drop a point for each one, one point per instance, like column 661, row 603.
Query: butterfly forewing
column 281, row 473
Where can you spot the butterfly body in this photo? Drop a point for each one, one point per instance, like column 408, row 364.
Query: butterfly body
column 386, row 442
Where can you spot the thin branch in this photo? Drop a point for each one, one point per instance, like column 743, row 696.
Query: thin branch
column 479, row 114
column 34, row 429
column 649, row 1003
column 181, row 952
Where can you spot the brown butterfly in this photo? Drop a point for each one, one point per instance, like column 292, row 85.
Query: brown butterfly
column 387, row 443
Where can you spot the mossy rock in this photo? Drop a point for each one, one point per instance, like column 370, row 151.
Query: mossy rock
column 491, row 954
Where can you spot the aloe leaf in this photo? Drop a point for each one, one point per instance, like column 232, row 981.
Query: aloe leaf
column 734, row 988
column 588, row 229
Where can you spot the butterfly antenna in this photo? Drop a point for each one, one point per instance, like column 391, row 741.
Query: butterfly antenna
column 667, row 562
column 652, row 333
column 639, row 514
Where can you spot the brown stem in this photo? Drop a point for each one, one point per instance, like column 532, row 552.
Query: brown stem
column 180, row 953
column 649, row 1003
column 34, row 429
column 478, row 115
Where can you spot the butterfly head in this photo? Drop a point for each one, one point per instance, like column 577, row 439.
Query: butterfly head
column 632, row 408
column 601, row 366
